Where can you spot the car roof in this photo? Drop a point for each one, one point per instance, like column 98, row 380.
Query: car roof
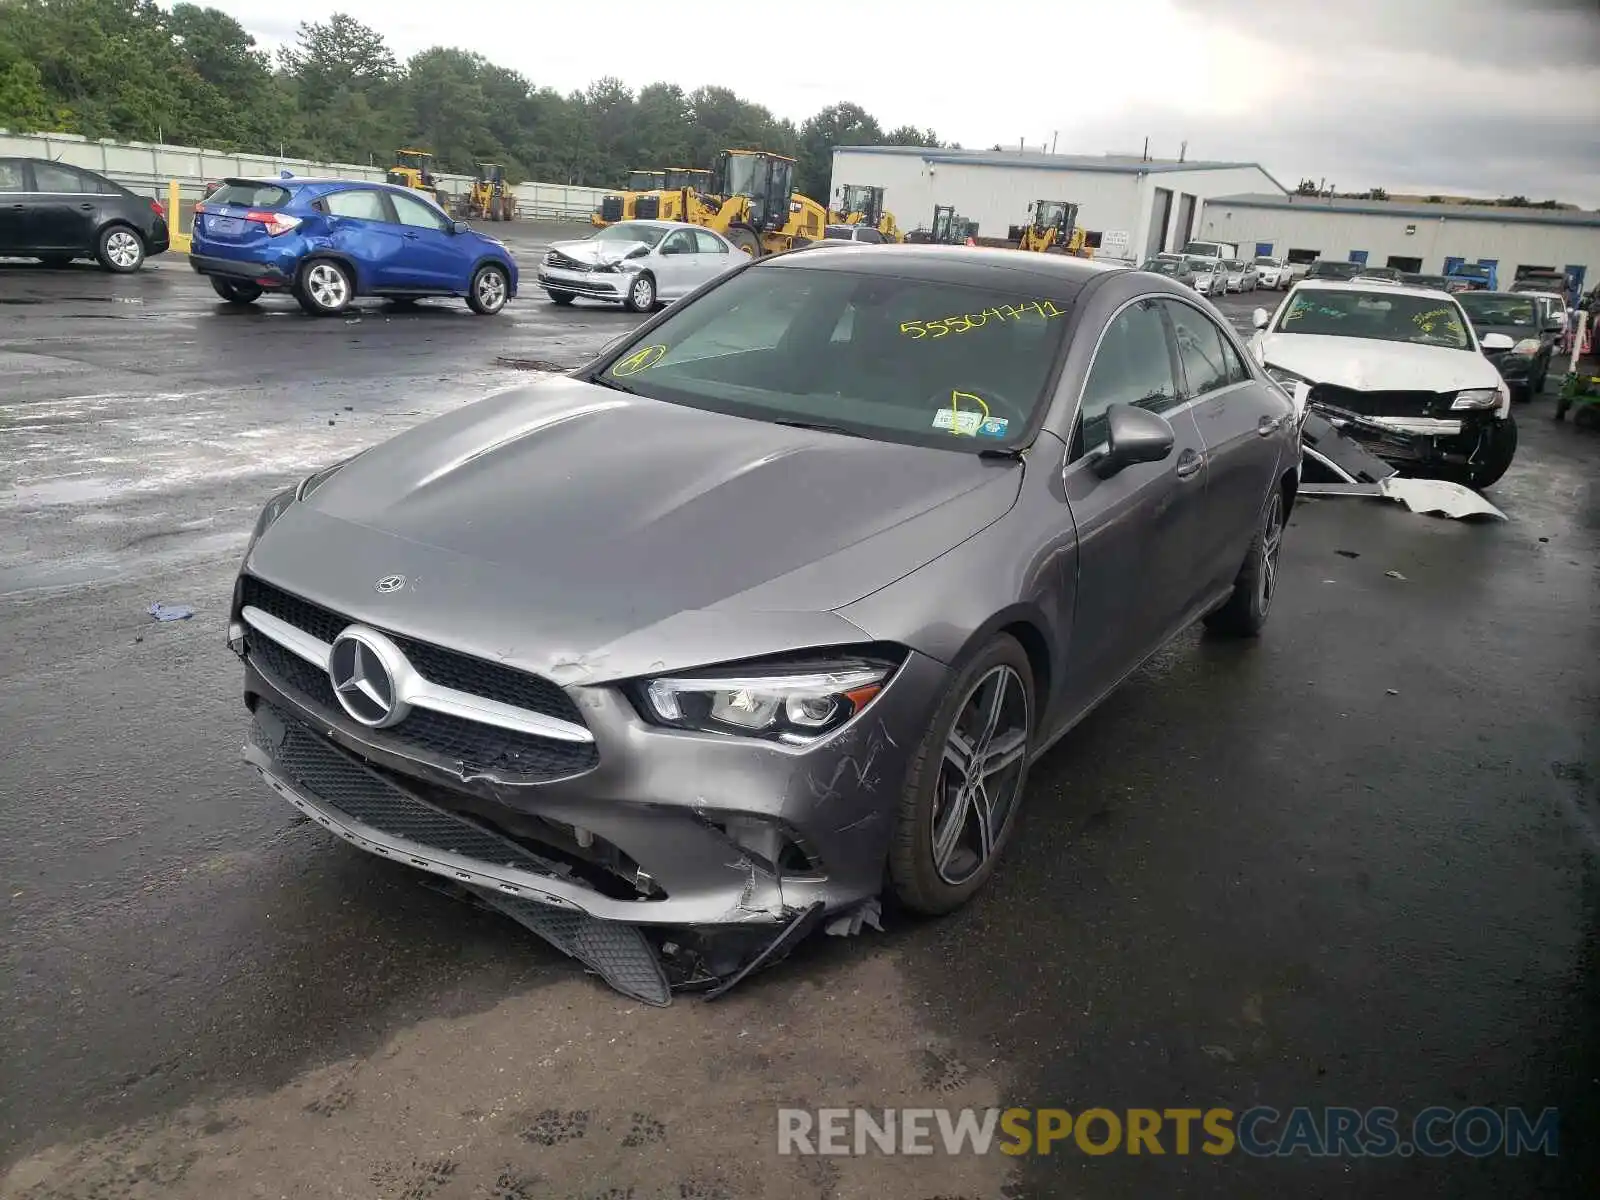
column 1504, row 295
column 979, row 266
column 1387, row 287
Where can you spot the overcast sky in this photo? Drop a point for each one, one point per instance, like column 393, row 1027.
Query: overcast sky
column 1479, row 97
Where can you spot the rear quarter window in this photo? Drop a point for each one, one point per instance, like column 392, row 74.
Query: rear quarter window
column 251, row 195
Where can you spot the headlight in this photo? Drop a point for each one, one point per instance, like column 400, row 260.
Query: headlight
column 610, row 268
column 788, row 703
column 1527, row 346
column 1477, row 398
column 550, row 258
column 274, row 509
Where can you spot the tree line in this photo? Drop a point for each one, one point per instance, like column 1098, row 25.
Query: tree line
column 130, row 70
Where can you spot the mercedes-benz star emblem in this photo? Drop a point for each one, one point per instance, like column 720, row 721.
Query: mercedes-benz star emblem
column 364, row 666
column 390, row 583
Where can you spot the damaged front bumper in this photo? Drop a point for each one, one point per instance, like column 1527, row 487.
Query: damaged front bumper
column 1415, row 441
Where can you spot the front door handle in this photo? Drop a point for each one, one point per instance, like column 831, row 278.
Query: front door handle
column 410, row 237
column 1189, row 464
column 86, row 207
column 1268, row 426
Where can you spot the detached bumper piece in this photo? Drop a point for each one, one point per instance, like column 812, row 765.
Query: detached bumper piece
column 366, row 808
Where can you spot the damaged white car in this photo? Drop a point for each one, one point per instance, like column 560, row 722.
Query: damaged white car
column 1398, row 370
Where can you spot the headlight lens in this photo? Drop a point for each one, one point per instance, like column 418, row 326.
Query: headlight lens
column 1528, row 346
column 1477, row 398
column 274, row 509
column 795, row 703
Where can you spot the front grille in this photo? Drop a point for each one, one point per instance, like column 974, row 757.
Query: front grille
column 449, row 739
column 611, row 208
column 563, row 262
column 1384, row 404
column 647, row 208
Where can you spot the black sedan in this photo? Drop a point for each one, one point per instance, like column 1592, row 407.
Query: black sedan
column 1521, row 318
column 57, row 213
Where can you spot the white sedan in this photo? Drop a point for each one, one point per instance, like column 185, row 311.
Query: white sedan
column 638, row 264
column 1400, row 370
column 1242, row 276
column 1210, row 276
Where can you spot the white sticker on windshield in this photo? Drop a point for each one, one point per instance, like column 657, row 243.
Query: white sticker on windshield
column 963, row 421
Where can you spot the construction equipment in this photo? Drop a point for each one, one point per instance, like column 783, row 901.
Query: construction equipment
column 490, row 198
column 754, row 205
column 414, row 169
column 947, row 229
column 860, row 205
column 623, row 205
column 1053, row 227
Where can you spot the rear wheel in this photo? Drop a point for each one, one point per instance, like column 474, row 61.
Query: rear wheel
column 491, row 288
column 1254, row 587
column 325, row 288
column 236, row 293
column 745, row 240
column 120, row 249
column 562, row 298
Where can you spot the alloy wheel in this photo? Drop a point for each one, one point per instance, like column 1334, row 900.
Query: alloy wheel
column 1271, row 543
column 644, row 293
column 491, row 289
column 122, row 248
column 327, row 286
column 980, row 777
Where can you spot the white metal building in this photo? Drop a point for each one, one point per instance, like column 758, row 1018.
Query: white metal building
column 1409, row 236
column 1138, row 206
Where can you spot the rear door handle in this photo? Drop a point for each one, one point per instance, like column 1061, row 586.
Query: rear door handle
column 1268, row 426
column 1189, row 464
column 410, row 236
column 86, row 207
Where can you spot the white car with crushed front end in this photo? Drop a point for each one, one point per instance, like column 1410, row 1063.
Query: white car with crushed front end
column 638, row 264
column 1400, row 370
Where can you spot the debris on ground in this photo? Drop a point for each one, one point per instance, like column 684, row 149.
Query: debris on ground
column 171, row 612
column 849, row 924
column 1347, row 553
column 1393, row 691
column 1395, row 575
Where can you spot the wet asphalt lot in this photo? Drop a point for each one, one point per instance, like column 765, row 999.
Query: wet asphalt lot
column 1357, row 863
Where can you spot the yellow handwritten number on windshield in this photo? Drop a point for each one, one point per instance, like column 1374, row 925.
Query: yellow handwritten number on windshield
column 639, row 360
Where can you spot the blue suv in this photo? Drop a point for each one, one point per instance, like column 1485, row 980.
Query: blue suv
column 327, row 241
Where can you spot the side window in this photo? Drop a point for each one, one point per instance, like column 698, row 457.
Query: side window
column 1131, row 366
column 869, row 235
column 361, row 203
column 53, row 179
column 679, row 241
column 709, row 243
column 1200, row 348
column 415, row 213
column 11, row 176
column 1237, row 371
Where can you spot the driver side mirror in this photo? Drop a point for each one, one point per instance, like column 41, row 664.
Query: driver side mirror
column 1133, row 435
column 1497, row 341
column 459, row 227
column 1260, row 318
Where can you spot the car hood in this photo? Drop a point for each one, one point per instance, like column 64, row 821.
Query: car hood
column 1365, row 364
column 597, row 253
column 1516, row 333
column 585, row 534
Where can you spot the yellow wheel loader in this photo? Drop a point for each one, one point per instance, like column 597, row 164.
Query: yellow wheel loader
column 1053, row 227
column 860, row 205
column 623, row 205
column 414, row 169
column 491, row 198
column 754, row 205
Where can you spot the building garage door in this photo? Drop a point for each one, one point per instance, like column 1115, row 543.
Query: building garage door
column 1160, row 214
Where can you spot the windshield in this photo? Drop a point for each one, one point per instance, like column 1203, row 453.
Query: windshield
column 644, row 181
column 1471, row 271
column 1333, row 270
column 1050, row 214
column 1381, row 273
column 1162, row 266
column 1206, row 249
column 1380, row 316
column 1487, row 308
column 742, row 171
column 895, row 359
column 631, row 231
column 1233, row 264
column 1266, row 262
column 682, row 179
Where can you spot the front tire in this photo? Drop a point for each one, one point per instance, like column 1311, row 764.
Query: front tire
column 120, row 249
column 325, row 288
column 745, row 241
column 236, row 293
column 641, row 297
column 491, row 288
column 1254, row 587
column 964, row 789
column 1496, row 456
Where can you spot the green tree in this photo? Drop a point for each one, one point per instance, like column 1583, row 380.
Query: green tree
column 837, row 125
column 340, row 54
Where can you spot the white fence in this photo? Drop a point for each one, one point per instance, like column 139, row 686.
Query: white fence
column 146, row 167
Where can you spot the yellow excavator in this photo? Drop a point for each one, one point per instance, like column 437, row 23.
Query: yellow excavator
column 623, row 205
column 414, row 169
column 1053, row 228
column 491, row 198
column 860, row 205
column 753, row 203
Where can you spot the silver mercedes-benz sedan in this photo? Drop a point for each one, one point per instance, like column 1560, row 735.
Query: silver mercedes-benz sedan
column 765, row 613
